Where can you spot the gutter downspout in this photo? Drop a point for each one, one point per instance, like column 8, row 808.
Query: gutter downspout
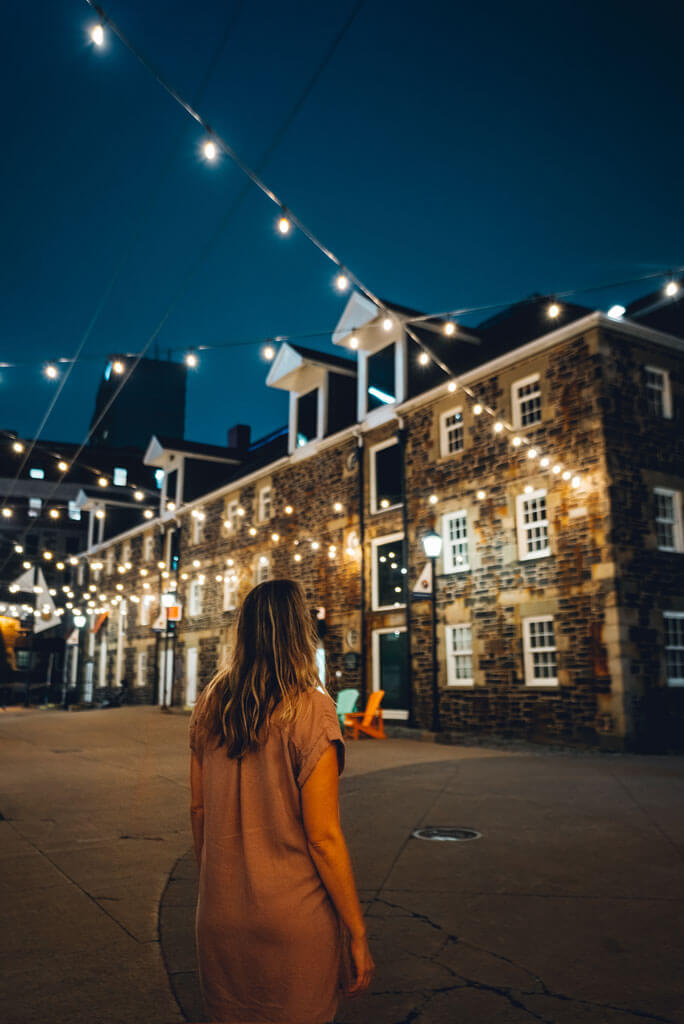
column 401, row 437
column 360, row 455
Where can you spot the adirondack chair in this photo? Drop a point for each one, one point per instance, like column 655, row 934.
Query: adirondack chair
column 346, row 703
column 368, row 721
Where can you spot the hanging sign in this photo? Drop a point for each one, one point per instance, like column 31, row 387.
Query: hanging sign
column 423, row 585
column 160, row 622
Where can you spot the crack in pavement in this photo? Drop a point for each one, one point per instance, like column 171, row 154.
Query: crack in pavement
column 512, row 994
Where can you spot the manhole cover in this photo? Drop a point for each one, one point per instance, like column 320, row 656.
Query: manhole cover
column 446, row 833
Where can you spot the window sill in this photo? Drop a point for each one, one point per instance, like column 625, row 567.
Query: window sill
column 466, row 684
column 388, row 607
column 535, row 555
column 390, row 508
column 455, row 571
column 539, row 685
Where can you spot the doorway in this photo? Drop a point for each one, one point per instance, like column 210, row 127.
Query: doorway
column 191, row 676
column 390, row 652
column 165, row 674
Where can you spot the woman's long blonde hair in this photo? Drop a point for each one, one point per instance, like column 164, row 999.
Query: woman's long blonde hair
column 274, row 660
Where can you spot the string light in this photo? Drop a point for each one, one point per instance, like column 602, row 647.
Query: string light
column 268, row 352
column 148, row 513
column 556, row 469
column 452, row 386
column 423, row 358
column 97, row 35
column 449, row 328
column 102, row 481
column 315, row 545
column 18, row 549
column 341, row 282
column 353, row 342
column 51, row 371
column 54, row 513
column 17, row 446
column 477, row 409
column 338, row 506
column 118, row 366
column 481, row 495
column 138, row 495
column 297, row 557
column 62, row 466
column 567, row 474
column 671, row 288
column 616, row 312
column 275, row 537
column 576, row 481
column 553, row 310
column 498, row 427
column 7, row 513
column 516, row 442
column 433, row 499
column 284, row 225
column 191, row 359
column 387, row 324
column 532, row 453
column 288, row 510
column 99, row 513
column 47, row 555
column 252, row 531
column 210, row 150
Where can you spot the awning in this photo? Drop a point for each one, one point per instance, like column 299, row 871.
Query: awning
column 98, row 622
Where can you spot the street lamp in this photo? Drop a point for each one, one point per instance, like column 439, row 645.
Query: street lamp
column 432, row 545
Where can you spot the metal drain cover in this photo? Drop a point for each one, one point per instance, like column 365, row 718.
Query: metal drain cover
column 446, row 833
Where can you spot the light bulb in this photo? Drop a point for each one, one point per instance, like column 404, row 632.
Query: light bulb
column 481, row 495
column 353, row 342
column 191, row 359
column 477, row 409
column 449, row 328
column 17, row 446
column 288, row 510
column 297, row 557
column 671, row 288
column 118, row 366
column 576, row 481
column 138, row 495
column 387, row 324
column 99, row 514
column 544, row 462
column 554, row 310
column 54, row 513
column 62, row 466
column 7, row 513
column 616, row 312
column 498, row 427
column 97, row 35
column 341, row 282
column 252, row 531
column 532, row 453
column 452, row 385
column 47, row 555
column 556, row 469
column 102, row 481
column 567, row 474
column 275, row 537
column 315, row 545
column 433, row 499
column 210, row 150
column 284, row 225
column 51, row 371
column 18, row 548
column 516, row 442
column 423, row 358
column 268, row 352
column 337, row 507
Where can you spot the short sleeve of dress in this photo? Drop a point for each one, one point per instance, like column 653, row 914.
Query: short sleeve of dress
column 193, row 733
column 315, row 727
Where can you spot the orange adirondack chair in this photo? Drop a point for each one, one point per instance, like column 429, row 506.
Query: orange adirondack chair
column 368, row 721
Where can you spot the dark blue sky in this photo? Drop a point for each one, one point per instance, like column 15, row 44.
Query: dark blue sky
column 451, row 157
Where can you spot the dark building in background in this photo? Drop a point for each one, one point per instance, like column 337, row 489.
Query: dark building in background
column 152, row 401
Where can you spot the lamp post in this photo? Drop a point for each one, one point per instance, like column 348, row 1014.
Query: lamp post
column 432, row 545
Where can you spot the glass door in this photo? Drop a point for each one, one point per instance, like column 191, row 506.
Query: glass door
column 390, row 664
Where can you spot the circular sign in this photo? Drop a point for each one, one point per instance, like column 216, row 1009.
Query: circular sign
column 446, row 833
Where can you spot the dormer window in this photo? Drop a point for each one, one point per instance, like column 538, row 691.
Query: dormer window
column 381, row 387
column 307, row 417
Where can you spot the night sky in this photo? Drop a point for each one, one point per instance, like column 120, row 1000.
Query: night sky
column 452, row 155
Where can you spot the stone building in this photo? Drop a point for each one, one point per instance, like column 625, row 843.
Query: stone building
column 545, row 447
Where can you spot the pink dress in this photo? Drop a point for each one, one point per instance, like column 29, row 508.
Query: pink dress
column 268, row 937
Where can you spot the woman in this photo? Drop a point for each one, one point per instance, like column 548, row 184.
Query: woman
column 277, row 901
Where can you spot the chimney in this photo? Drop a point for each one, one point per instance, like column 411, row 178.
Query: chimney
column 238, row 438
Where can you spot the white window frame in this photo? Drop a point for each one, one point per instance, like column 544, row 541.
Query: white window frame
column 521, row 499
column 148, row 547
column 35, row 507
column 374, row 417
column 311, row 445
column 230, row 592
column 528, row 652
column 444, row 430
column 109, row 561
column 197, row 528
column 74, row 510
column 231, row 512
column 672, row 616
column 263, row 565
column 126, row 552
column 146, row 602
column 194, row 597
column 375, row 544
column 141, row 667
column 451, row 654
column 676, row 520
column 117, row 476
column 517, row 401
column 449, row 563
column 265, row 499
column 666, row 391
column 374, row 507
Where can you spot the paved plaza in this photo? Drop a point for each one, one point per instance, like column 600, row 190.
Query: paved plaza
column 568, row 909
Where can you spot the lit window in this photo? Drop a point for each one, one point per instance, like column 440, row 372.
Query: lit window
column 658, row 392
column 230, row 592
column 35, row 505
column 307, row 417
column 74, row 510
column 452, row 431
column 674, row 647
column 389, row 582
column 120, row 476
column 141, row 676
column 197, row 529
column 148, row 547
column 37, row 474
column 539, row 651
column 385, row 476
column 231, row 513
column 455, row 537
column 195, row 597
column 159, row 477
column 263, row 569
column 144, row 608
column 533, row 525
column 109, row 561
column 527, row 401
column 459, row 647
column 265, row 503
column 668, row 519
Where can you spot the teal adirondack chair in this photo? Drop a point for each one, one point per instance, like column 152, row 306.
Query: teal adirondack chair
column 346, row 703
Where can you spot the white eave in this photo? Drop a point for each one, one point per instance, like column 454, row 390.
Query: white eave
column 292, row 371
column 358, row 312
column 157, row 455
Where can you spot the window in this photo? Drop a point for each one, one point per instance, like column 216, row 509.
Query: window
column 533, row 526
column 230, row 592
column 527, row 401
column 141, row 676
column 37, row 474
column 172, row 485
column 674, row 647
column 539, row 651
column 126, row 552
column 197, row 526
column 148, row 547
column 195, row 597
column 265, row 503
column 307, row 417
column 159, row 477
column 109, row 561
column 459, row 646
column 381, row 378
column 263, row 569
column 120, row 476
column 668, row 518
column 452, row 431
column 455, row 538
column 385, row 476
column 389, row 572
column 144, row 609
column 231, row 513
column 74, row 510
column 658, row 392
column 35, row 505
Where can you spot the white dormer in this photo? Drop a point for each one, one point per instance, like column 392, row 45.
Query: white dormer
column 379, row 339
column 169, row 455
column 305, row 374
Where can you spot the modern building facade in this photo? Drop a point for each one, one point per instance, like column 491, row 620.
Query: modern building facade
column 550, row 460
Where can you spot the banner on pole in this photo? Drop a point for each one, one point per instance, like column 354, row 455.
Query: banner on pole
column 423, row 585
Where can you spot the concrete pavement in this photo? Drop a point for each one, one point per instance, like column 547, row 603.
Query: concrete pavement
column 568, row 909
